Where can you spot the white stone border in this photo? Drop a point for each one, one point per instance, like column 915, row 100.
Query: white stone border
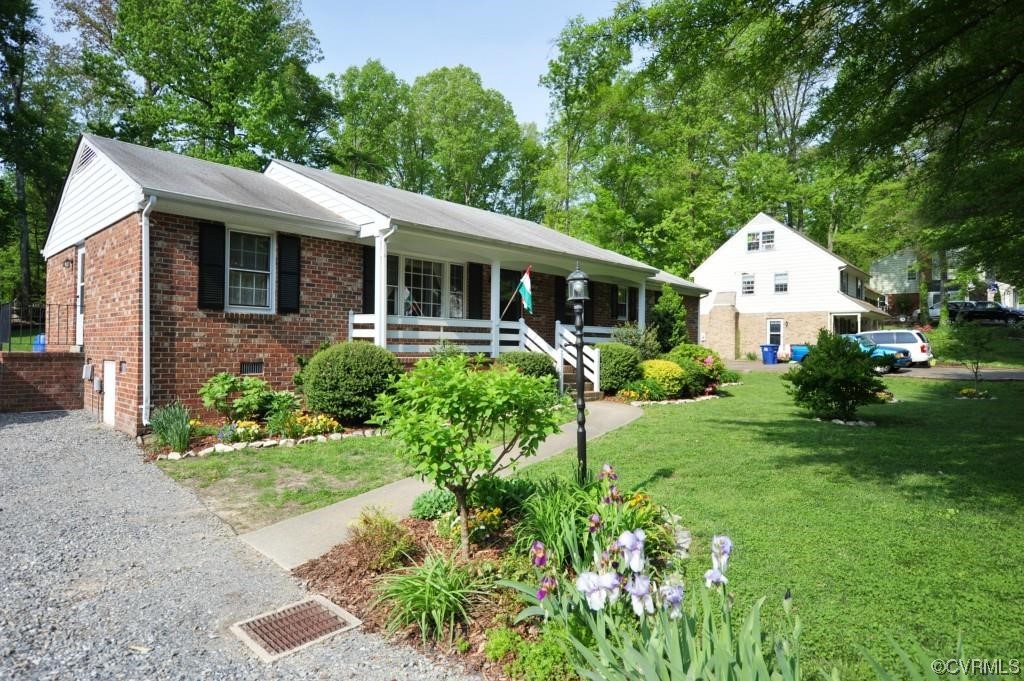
column 223, row 447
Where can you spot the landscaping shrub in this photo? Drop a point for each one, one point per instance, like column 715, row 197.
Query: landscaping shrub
column 645, row 341
column 669, row 376
column 446, row 348
column 645, row 389
column 319, row 424
column 432, row 504
column 508, row 494
column 620, row 364
column 172, row 426
column 970, row 345
column 282, row 401
column 668, row 319
column 240, row 431
column 218, row 390
column 500, row 643
column 284, row 424
column 254, row 400
column 834, row 379
column 545, row 659
column 730, row 376
column 435, row 596
column 702, row 366
column 530, row 363
column 346, row 378
column 443, row 412
column 384, row 543
column 298, row 378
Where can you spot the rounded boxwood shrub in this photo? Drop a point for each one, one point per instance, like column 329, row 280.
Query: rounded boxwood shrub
column 432, row 504
column 704, row 368
column 620, row 365
column 346, row 378
column 529, row 363
column 669, row 375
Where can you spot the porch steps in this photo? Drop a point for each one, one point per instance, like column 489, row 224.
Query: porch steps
column 589, row 394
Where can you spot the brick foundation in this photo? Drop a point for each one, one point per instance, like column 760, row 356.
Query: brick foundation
column 40, row 381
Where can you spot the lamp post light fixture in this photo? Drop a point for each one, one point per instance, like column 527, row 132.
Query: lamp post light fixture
column 577, row 294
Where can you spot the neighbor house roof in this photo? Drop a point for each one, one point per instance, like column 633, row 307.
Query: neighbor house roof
column 179, row 177
column 864, row 306
column 417, row 209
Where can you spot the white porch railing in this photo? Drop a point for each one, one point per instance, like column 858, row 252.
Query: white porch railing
column 417, row 335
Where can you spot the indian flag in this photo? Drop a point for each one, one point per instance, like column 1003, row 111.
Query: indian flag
column 525, row 291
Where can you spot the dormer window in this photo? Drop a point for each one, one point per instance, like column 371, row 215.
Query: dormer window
column 761, row 241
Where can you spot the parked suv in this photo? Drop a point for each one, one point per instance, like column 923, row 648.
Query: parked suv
column 955, row 308
column 914, row 342
column 988, row 311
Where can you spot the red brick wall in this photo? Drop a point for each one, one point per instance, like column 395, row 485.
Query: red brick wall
column 40, row 381
column 692, row 317
column 60, row 300
column 189, row 345
column 113, row 314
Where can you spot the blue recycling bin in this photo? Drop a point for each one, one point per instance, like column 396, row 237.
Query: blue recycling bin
column 798, row 352
column 39, row 342
column 770, row 354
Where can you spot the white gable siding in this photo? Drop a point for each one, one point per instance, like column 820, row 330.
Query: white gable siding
column 95, row 197
column 889, row 274
column 813, row 272
column 352, row 211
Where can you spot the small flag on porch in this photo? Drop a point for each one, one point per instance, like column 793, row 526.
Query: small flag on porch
column 525, row 291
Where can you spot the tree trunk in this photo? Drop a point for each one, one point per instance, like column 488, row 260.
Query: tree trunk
column 460, row 500
column 22, row 211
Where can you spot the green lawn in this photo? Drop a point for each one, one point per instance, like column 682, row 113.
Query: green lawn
column 911, row 529
column 1007, row 346
column 255, row 487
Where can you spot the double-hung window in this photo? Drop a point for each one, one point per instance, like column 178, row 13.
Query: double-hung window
column 622, row 303
column 753, row 241
column 761, row 241
column 781, row 282
column 747, row 284
column 250, row 277
column 426, row 288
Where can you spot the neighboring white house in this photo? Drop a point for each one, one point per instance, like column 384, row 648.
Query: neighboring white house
column 897, row 279
column 772, row 285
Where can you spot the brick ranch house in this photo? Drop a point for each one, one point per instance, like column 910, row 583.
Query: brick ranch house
column 181, row 268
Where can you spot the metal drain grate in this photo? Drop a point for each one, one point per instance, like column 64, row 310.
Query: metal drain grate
column 282, row 632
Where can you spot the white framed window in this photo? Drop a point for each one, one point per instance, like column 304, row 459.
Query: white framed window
column 775, row 332
column 911, row 273
column 782, row 282
column 747, row 284
column 622, row 303
column 844, row 281
column 250, row 271
column 753, row 241
column 418, row 287
column 761, row 241
column 768, row 240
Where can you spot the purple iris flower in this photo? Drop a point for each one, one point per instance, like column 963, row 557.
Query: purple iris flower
column 632, row 546
column 639, row 589
column 721, row 547
column 540, row 555
column 672, row 600
column 608, row 473
column 594, row 523
column 714, row 578
column 547, row 585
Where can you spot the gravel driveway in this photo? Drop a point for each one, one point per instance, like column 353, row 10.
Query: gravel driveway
column 112, row 571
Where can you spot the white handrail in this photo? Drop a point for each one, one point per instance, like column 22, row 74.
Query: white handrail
column 565, row 340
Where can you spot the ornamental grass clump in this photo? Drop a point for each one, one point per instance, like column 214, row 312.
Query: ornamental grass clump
column 172, row 426
column 444, row 412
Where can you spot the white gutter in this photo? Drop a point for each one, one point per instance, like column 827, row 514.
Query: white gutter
column 147, row 387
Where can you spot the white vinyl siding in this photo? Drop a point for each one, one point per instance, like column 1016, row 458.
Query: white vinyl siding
column 812, row 273
column 96, row 195
column 331, row 200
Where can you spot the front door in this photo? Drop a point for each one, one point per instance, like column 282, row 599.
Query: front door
column 80, row 299
column 109, row 392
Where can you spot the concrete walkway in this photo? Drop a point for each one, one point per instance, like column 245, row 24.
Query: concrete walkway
column 292, row 542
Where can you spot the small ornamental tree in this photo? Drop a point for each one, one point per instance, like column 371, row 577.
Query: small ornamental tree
column 970, row 346
column 834, row 379
column 445, row 412
column 668, row 316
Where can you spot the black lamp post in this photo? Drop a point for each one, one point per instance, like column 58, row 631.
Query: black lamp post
column 576, row 294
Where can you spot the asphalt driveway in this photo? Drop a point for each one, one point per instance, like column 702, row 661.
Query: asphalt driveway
column 946, row 373
column 113, row 571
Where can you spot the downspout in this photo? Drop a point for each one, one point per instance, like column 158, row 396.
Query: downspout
column 147, row 387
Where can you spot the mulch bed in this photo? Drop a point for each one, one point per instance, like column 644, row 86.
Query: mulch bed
column 342, row 576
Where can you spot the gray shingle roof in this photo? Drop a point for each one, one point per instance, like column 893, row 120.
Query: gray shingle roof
column 170, row 174
column 666, row 278
column 417, row 209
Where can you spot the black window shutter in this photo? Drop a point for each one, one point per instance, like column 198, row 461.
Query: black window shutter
column 509, row 285
column 475, row 290
column 560, row 299
column 634, row 304
column 212, row 237
column 289, row 271
column 369, row 270
column 588, row 306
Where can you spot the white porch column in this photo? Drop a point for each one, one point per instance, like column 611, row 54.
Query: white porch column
column 858, row 322
column 641, row 306
column 495, row 308
column 380, row 287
